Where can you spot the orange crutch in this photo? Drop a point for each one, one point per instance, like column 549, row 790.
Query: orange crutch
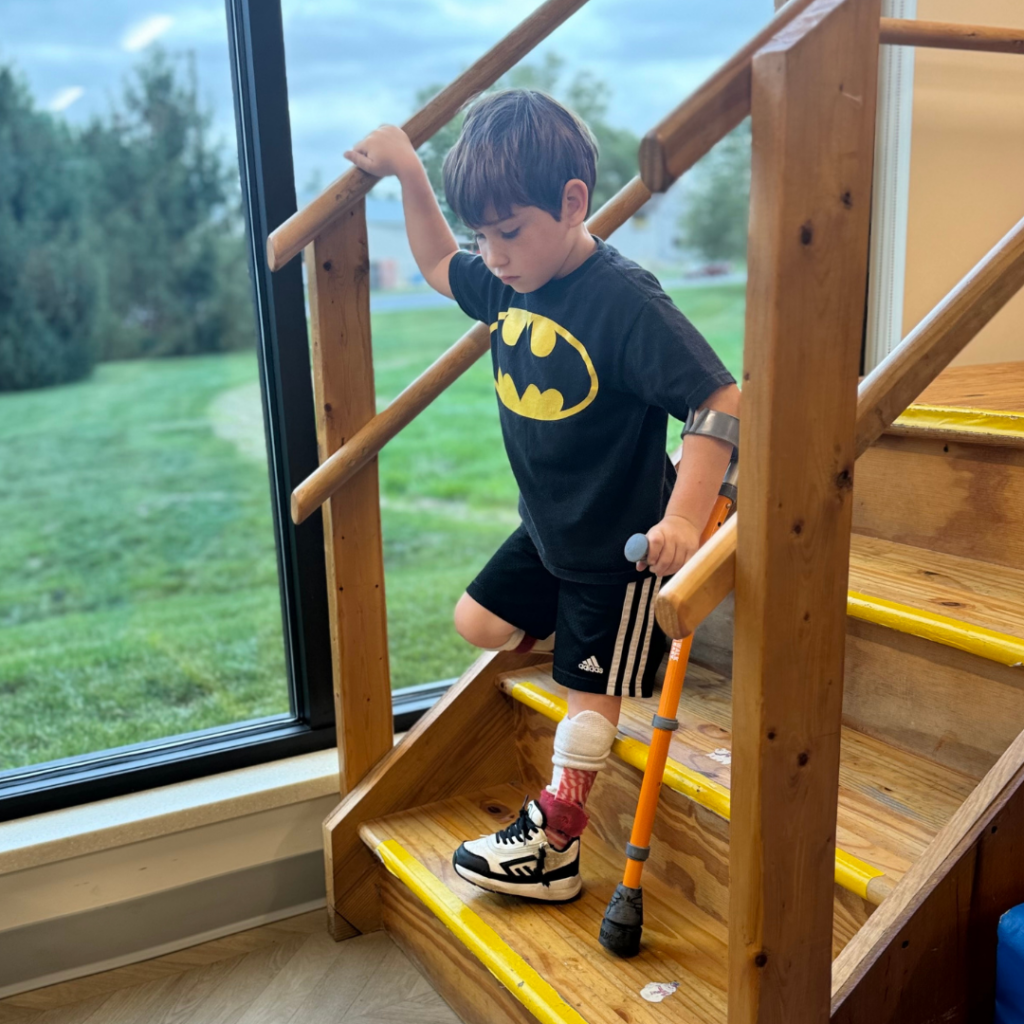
column 623, row 920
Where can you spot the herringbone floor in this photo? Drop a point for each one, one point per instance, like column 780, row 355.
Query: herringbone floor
column 290, row 972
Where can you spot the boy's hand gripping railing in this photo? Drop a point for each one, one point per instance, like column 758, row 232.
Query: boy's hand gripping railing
column 623, row 920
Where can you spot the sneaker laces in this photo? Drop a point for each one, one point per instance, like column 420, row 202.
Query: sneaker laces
column 522, row 830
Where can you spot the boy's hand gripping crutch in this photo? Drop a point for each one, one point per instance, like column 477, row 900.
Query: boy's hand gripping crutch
column 624, row 918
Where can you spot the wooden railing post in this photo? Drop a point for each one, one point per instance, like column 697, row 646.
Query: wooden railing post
column 813, row 111
column 338, row 274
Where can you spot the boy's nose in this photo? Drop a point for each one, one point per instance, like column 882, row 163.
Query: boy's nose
column 496, row 259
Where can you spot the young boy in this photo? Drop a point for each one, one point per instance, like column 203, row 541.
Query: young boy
column 590, row 356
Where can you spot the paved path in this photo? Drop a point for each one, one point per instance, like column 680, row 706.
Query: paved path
column 389, row 302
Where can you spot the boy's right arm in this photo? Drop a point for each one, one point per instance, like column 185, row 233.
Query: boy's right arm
column 389, row 151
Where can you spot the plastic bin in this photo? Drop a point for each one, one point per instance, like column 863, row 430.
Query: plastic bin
column 1010, row 968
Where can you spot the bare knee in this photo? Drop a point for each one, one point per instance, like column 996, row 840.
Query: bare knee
column 476, row 625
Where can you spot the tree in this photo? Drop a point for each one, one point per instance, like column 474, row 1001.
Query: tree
column 48, row 278
column 586, row 95
column 175, row 269
column 718, row 199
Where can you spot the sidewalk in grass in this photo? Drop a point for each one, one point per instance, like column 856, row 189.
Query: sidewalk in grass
column 390, row 302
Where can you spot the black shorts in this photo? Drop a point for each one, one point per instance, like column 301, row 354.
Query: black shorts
column 606, row 639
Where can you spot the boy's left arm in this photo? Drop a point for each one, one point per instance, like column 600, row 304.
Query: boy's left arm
column 674, row 541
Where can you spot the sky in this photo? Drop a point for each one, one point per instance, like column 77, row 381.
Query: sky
column 355, row 64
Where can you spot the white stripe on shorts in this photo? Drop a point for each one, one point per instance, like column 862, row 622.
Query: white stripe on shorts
column 627, row 676
column 647, row 635
column 627, row 606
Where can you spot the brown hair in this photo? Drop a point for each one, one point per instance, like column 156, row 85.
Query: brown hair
column 517, row 147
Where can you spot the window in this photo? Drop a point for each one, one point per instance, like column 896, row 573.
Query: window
column 159, row 617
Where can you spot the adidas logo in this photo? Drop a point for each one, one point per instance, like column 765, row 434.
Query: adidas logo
column 591, row 665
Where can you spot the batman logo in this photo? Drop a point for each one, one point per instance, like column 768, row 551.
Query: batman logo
column 532, row 402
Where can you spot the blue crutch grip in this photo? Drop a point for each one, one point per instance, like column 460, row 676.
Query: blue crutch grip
column 636, row 548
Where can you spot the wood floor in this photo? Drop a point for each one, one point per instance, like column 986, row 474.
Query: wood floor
column 290, row 972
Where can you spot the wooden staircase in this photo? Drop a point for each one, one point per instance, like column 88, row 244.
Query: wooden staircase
column 841, row 829
column 933, row 698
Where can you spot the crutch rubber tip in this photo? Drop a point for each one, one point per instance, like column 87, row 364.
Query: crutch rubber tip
column 623, row 922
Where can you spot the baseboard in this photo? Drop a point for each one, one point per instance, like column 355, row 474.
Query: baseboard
column 48, row 952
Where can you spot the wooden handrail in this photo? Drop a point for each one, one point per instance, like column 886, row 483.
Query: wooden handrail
column 698, row 588
column 367, row 442
column 707, row 115
column 674, row 145
column 288, row 240
column 946, row 36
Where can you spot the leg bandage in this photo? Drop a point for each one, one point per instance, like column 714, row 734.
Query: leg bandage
column 582, row 746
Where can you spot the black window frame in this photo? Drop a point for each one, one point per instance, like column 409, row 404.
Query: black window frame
column 259, row 84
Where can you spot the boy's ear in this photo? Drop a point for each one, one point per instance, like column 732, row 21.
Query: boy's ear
column 575, row 197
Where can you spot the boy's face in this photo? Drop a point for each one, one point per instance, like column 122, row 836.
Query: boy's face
column 529, row 247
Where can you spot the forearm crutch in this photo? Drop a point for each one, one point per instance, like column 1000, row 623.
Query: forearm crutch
column 623, row 920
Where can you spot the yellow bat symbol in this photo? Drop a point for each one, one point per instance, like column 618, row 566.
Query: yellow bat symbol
column 533, row 403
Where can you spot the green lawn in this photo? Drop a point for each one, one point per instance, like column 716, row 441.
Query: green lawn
column 138, row 589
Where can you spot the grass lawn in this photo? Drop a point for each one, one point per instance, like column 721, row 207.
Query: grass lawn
column 138, row 588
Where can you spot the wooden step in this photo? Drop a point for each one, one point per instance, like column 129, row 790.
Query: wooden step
column 958, row 493
column 1000, row 427
column 569, row 977
column 961, row 602
column 975, row 404
column 982, row 386
column 891, row 803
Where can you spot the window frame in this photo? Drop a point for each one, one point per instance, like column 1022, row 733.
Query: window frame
column 259, row 85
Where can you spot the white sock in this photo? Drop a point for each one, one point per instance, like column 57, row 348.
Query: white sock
column 583, row 742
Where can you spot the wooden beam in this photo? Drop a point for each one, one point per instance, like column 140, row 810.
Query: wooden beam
column 928, row 953
column 338, row 272
column 302, row 227
column 813, row 114
column 689, row 597
column 943, row 35
column 675, row 144
column 334, row 472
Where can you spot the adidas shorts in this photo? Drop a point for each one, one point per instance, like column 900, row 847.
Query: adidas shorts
column 606, row 639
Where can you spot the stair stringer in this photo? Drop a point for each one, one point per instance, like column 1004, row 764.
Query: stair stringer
column 928, row 953
column 466, row 741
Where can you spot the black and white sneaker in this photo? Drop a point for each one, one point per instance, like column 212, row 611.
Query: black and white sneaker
column 520, row 861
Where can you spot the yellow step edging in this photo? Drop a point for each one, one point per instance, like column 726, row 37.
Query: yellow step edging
column 852, row 873
column 963, row 420
column 521, row 980
column 985, row 643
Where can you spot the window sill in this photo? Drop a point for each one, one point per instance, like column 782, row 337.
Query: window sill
column 77, row 831
column 106, row 824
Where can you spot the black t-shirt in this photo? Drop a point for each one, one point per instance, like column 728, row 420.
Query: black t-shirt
column 586, row 370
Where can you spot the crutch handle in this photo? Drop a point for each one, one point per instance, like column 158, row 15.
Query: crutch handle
column 636, row 548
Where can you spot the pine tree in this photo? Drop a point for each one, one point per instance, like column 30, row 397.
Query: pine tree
column 175, row 276
column 718, row 199
column 48, row 279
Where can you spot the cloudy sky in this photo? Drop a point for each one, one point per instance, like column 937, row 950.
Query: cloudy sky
column 354, row 64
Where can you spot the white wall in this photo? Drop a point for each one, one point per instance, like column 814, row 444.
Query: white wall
column 966, row 170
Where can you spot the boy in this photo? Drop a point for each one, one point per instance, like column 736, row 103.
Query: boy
column 590, row 356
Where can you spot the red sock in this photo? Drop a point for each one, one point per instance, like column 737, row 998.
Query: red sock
column 563, row 803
